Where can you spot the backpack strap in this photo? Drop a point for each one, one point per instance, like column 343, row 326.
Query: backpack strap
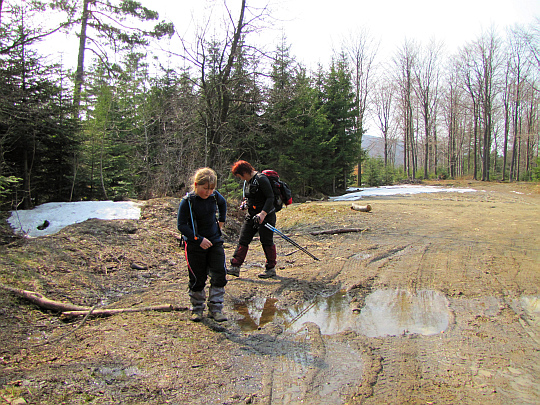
column 189, row 197
column 256, row 176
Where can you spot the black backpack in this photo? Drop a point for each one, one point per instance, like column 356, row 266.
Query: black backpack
column 282, row 191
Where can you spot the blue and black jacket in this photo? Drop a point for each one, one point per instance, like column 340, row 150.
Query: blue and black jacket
column 197, row 217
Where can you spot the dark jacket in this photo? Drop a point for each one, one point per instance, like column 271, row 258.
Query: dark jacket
column 259, row 194
column 204, row 217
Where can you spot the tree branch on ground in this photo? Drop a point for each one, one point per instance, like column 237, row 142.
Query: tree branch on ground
column 71, row 311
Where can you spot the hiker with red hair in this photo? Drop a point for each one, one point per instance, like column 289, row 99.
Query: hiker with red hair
column 259, row 201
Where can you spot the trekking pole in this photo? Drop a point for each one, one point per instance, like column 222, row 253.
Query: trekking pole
column 292, row 242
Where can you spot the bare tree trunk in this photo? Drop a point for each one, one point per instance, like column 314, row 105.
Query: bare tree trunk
column 215, row 120
column 426, row 152
column 505, row 141
column 475, row 145
column 435, row 153
column 518, row 160
column 413, row 149
column 405, row 61
column 362, row 55
column 486, row 148
column 506, row 106
column 383, row 106
column 405, row 145
column 515, row 146
column 79, row 73
column 530, row 131
column 427, row 77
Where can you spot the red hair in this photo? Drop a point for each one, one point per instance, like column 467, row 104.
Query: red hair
column 241, row 167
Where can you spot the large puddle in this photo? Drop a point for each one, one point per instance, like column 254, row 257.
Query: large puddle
column 386, row 312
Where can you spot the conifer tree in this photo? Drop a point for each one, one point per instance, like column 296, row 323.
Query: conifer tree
column 296, row 128
column 339, row 106
column 310, row 155
column 106, row 26
column 278, row 128
column 36, row 135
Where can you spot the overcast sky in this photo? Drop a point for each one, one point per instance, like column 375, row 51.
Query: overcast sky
column 315, row 28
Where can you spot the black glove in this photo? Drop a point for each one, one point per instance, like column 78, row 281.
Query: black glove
column 256, row 221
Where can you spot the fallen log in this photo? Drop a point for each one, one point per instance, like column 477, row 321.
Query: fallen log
column 114, row 311
column 341, row 230
column 361, row 208
column 43, row 302
column 71, row 311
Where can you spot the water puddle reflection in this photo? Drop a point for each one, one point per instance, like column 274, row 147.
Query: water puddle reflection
column 386, row 312
column 392, row 312
column 256, row 313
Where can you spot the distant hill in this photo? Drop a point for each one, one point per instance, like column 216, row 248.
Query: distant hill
column 375, row 147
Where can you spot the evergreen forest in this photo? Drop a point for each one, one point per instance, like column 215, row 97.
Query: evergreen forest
column 126, row 122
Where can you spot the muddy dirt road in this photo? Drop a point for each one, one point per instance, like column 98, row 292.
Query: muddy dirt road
column 433, row 300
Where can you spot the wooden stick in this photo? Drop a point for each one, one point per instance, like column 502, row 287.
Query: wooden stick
column 342, row 230
column 43, row 302
column 109, row 312
column 70, row 332
column 362, row 208
column 70, row 311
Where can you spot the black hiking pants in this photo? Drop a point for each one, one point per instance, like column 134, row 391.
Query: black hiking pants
column 206, row 262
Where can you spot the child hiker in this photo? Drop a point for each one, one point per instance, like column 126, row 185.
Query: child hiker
column 203, row 244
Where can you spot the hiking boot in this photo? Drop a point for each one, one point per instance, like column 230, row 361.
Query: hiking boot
column 197, row 316
column 217, row 316
column 269, row 273
column 234, row 271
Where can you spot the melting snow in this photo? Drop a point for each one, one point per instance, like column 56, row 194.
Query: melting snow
column 357, row 194
column 60, row 215
column 63, row 214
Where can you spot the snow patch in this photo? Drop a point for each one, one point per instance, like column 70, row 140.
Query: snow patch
column 52, row 217
column 358, row 194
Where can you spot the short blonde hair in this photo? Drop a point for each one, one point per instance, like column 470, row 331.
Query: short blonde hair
column 204, row 175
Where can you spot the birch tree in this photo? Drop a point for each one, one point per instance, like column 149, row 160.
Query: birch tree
column 405, row 61
column 383, row 105
column 361, row 50
column 427, row 89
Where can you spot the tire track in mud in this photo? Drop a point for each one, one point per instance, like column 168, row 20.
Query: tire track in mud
column 399, row 267
column 415, row 368
column 405, row 266
column 388, row 266
column 363, row 270
column 475, row 360
column 332, row 371
column 320, row 369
